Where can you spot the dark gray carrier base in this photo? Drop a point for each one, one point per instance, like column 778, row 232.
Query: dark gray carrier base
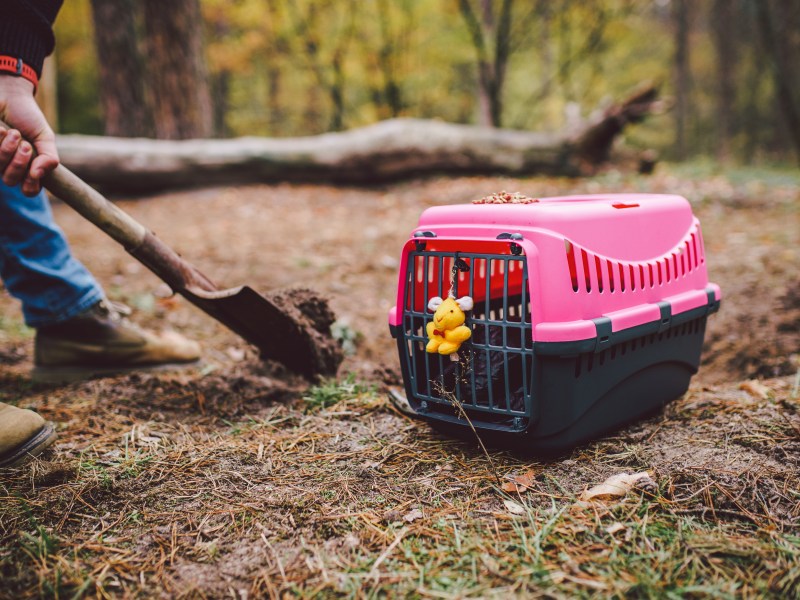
column 573, row 392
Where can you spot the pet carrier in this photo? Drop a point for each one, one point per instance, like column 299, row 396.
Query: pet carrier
column 587, row 312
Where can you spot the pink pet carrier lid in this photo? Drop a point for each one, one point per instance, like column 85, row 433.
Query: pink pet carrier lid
column 620, row 257
column 630, row 227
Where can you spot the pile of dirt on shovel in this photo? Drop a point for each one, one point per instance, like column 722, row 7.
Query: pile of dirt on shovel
column 314, row 318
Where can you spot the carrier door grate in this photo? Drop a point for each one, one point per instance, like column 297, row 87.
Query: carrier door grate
column 492, row 380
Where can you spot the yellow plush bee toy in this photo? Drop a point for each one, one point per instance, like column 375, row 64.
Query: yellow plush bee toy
column 447, row 331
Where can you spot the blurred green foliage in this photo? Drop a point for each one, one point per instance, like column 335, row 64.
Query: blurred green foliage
column 300, row 67
column 78, row 95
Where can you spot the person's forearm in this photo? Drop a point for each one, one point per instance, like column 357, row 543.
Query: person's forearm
column 26, row 30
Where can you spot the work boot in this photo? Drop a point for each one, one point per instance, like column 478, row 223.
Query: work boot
column 23, row 435
column 101, row 341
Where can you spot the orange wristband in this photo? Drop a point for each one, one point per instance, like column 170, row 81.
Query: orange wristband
column 15, row 66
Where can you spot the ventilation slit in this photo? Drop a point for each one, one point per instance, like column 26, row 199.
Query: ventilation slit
column 610, row 276
column 689, row 255
column 573, row 271
column 599, row 269
column 586, row 275
column 622, row 277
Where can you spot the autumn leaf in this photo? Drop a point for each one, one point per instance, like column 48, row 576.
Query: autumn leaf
column 756, row 389
column 520, row 483
column 514, row 508
column 618, row 486
column 413, row 516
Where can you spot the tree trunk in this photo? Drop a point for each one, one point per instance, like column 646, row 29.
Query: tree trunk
column 387, row 151
column 682, row 81
column 388, row 96
column 491, row 64
column 219, row 86
column 778, row 57
column 122, row 82
column 724, row 35
column 176, row 69
column 502, row 52
column 487, row 90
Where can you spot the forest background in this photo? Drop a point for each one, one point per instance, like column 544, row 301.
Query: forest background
column 226, row 68
column 239, row 480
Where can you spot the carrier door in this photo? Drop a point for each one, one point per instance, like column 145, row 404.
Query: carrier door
column 492, row 380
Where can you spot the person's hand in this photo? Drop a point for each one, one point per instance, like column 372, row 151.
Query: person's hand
column 18, row 109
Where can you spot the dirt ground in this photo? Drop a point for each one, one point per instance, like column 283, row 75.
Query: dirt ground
column 235, row 479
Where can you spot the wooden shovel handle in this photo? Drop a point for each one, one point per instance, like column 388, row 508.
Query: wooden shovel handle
column 94, row 207
column 140, row 243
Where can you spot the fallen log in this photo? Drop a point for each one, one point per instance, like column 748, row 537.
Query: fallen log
column 386, row 151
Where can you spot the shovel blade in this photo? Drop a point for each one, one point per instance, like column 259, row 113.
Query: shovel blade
column 278, row 335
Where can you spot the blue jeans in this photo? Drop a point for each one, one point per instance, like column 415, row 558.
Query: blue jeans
column 36, row 264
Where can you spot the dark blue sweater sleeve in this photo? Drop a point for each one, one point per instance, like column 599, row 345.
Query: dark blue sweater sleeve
column 26, row 30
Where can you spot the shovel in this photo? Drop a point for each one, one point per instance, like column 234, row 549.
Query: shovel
column 296, row 334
